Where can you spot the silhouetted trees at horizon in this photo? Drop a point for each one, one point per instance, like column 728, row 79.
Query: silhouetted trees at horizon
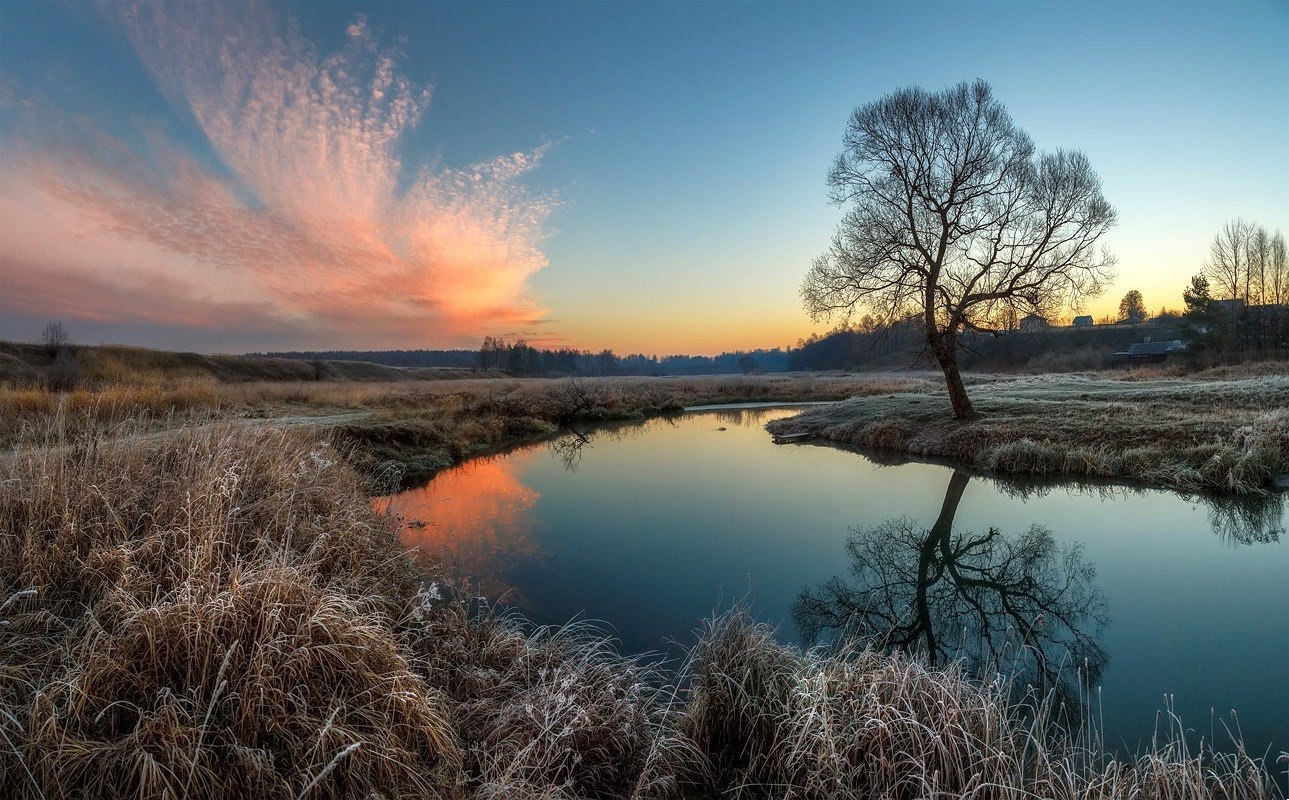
column 517, row 357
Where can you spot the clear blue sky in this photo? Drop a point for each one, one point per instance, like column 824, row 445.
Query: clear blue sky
column 671, row 194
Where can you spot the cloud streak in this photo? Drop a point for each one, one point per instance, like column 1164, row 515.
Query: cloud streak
column 309, row 228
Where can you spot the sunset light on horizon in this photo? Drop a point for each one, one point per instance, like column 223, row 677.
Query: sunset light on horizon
column 645, row 178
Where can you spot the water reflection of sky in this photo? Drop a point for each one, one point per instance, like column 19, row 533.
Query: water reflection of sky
column 475, row 521
column 651, row 526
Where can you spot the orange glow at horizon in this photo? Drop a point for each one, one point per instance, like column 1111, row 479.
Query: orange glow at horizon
column 766, row 325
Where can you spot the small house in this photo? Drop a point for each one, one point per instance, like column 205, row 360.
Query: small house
column 1083, row 321
column 1033, row 322
column 1151, row 352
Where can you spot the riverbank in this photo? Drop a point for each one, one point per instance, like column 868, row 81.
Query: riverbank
column 1224, row 430
column 403, row 432
column 1216, row 435
column 216, row 610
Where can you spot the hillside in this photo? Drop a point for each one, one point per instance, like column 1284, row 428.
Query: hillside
column 32, row 363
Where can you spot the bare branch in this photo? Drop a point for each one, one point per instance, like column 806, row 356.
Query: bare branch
column 955, row 218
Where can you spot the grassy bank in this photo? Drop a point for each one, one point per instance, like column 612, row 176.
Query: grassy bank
column 1212, row 433
column 1223, row 430
column 412, row 429
column 217, row 611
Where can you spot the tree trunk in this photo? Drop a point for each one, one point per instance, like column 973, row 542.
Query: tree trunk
column 937, row 541
column 945, row 348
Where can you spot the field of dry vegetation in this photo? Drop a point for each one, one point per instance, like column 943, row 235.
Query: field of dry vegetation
column 216, row 610
column 1224, row 430
column 197, row 598
column 411, row 429
column 1211, row 432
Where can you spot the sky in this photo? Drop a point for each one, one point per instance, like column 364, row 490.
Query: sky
column 646, row 177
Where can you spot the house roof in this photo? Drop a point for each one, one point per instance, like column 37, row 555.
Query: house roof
column 1083, row 318
column 1153, row 348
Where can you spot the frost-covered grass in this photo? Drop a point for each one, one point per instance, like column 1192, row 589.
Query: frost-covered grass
column 1221, row 430
column 415, row 428
column 1227, row 435
column 218, row 611
column 773, row 721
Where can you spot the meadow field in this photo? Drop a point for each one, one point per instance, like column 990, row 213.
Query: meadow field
column 1222, row 430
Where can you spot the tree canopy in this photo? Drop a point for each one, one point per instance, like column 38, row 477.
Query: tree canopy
column 1132, row 307
column 955, row 219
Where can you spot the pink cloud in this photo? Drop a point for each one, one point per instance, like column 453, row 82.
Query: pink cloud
column 312, row 227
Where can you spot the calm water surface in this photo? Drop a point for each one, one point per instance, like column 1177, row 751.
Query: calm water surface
column 1163, row 600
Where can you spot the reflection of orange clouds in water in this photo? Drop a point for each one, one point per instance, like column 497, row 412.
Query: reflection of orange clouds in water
column 474, row 520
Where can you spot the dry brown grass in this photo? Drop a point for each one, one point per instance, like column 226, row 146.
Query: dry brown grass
column 1218, row 430
column 775, row 722
column 219, row 612
column 411, row 429
column 1198, row 435
column 205, row 613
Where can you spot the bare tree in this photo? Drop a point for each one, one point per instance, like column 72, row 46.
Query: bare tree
column 956, row 220
column 1132, row 307
column 1278, row 270
column 1227, row 268
column 55, row 337
column 1259, row 244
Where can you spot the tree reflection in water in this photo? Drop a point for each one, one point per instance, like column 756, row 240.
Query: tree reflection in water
column 1012, row 604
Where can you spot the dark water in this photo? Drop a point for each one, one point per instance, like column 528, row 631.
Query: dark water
column 1156, row 600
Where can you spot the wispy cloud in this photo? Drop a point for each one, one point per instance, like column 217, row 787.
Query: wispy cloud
column 310, row 228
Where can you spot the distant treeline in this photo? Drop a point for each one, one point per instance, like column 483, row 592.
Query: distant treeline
column 467, row 359
column 1239, row 303
column 1215, row 332
column 857, row 347
column 522, row 359
column 1044, row 349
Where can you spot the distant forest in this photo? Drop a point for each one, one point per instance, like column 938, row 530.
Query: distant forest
column 521, row 359
column 853, row 347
